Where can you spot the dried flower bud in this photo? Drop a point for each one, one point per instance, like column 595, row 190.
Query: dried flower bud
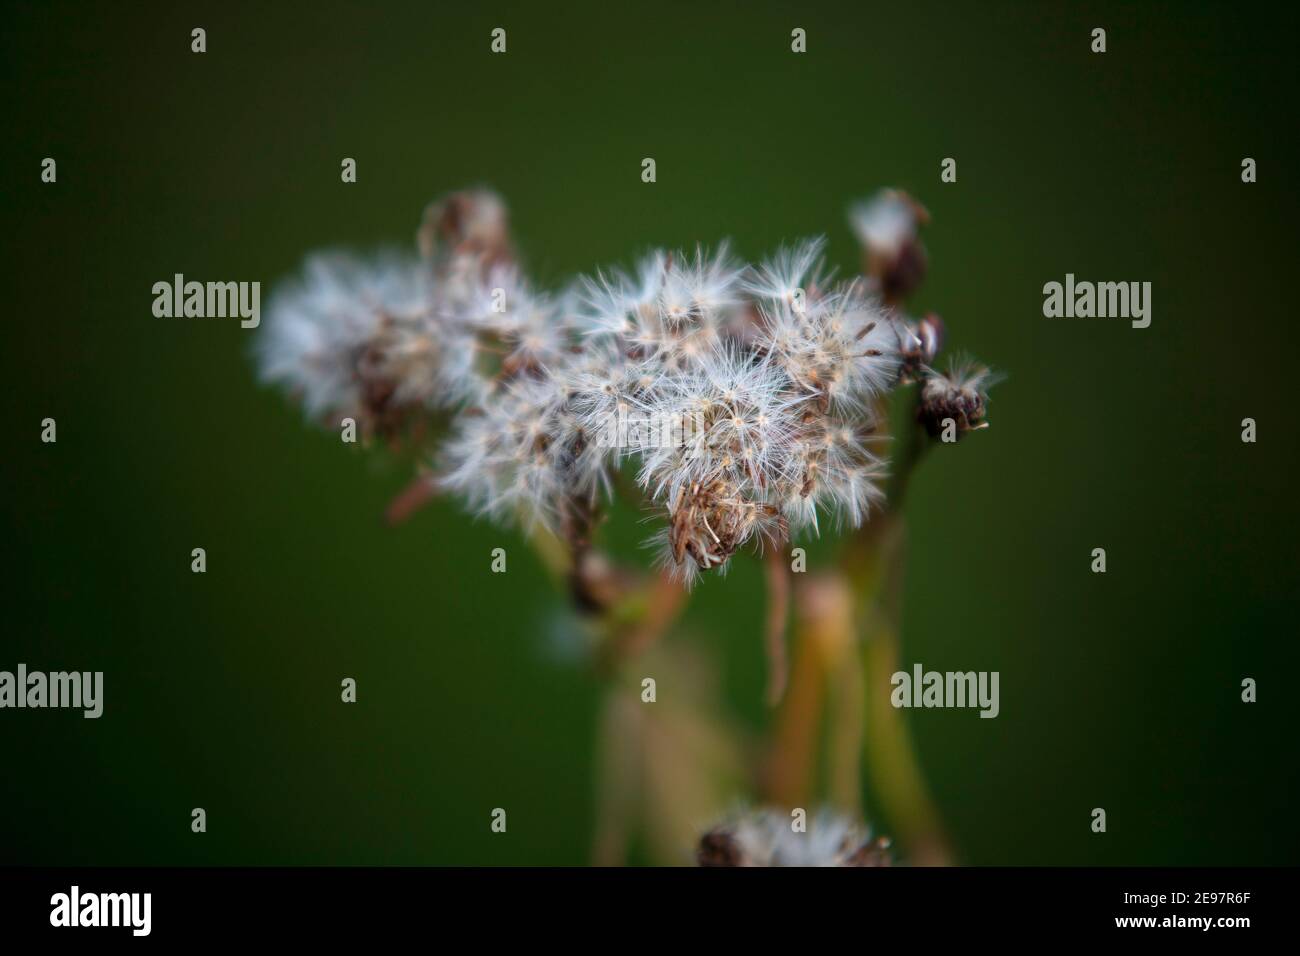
column 920, row 342
column 930, row 331
column 959, row 396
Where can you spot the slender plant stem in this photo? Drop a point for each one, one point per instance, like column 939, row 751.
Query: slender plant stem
column 775, row 563
column 874, row 561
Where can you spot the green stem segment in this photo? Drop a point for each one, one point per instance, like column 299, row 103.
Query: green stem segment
column 874, row 562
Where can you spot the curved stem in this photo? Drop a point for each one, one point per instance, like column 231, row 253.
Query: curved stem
column 896, row 776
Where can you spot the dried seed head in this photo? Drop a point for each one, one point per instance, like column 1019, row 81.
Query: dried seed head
column 743, row 396
column 470, row 224
column 768, row 838
column 709, row 522
column 887, row 226
column 355, row 338
column 719, row 848
column 959, row 395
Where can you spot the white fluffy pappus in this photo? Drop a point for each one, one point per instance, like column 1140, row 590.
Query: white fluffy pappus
column 354, row 337
column 766, row 838
column 741, row 397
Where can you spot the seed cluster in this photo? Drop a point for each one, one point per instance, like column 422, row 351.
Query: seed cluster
column 740, row 398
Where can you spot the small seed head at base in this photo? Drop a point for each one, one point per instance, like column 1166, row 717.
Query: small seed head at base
column 765, row 838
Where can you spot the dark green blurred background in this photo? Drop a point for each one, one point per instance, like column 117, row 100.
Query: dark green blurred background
column 1118, row 690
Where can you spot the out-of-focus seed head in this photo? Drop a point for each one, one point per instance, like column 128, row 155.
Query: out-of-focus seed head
column 887, row 226
column 768, row 838
column 471, row 224
column 355, row 338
